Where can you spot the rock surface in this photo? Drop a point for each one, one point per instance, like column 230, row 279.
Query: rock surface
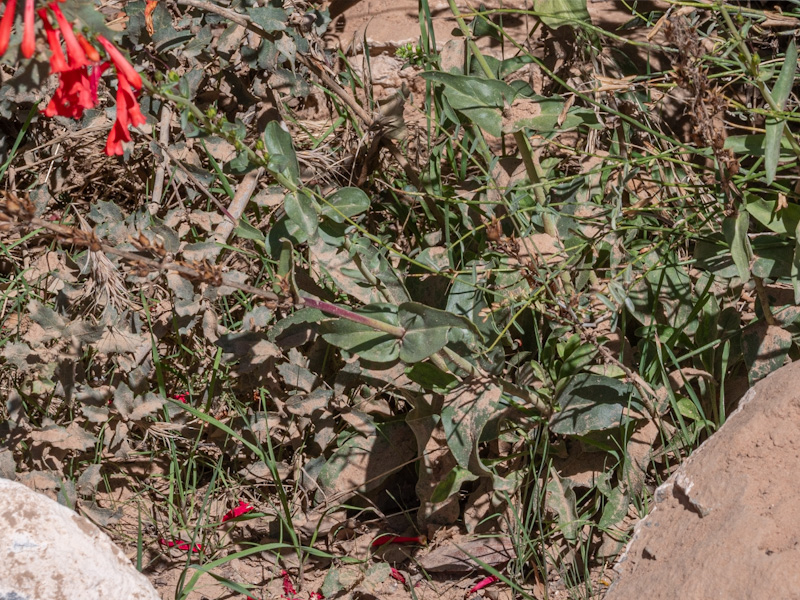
column 725, row 524
column 48, row 552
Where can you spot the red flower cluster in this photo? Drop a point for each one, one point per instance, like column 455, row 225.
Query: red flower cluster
column 79, row 70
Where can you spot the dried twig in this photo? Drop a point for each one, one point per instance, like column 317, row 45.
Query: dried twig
column 163, row 140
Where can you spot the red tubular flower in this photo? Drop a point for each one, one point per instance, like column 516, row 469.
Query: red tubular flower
column 73, row 96
column 94, row 78
column 58, row 63
column 121, row 63
column 28, row 45
column 77, row 57
column 128, row 113
column 116, row 136
column 91, row 52
column 6, row 23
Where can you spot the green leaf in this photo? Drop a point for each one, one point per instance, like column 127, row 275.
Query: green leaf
column 766, row 212
column 451, row 484
column 331, row 585
column 594, row 403
column 772, row 256
column 431, row 378
column 427, row 330
column 751, row 145
column 345, row 202
column 736, row 235
column 688, row 409
column 270, row 18
column 247, row 232
column 775, row 127
column 477, row 98
column 556, row 13
column 282, row 157
column 301, row 210
column 363, row 340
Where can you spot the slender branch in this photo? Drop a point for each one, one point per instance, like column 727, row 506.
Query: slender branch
column 163, row 140
column 243, row 194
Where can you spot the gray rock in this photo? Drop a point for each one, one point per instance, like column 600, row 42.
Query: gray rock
column 49, row 552
column 725, row 523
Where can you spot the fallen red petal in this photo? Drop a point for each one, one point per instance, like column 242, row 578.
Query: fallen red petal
column 398, row 576
column 240, row 510
column 180, row 545
column 288, row 587
column 486, row 581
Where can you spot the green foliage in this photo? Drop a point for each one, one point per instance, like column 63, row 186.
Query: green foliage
column 438, row 324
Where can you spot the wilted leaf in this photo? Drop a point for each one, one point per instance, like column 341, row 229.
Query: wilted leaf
column 466, row 412
column 765, row 349
column 251, row 348
column 120, row 341
column 73, row 437
column 8, row 467
column 560, row 499
column 89, row 479
column 135, row 408
column 102, row 517
column 296, row 376
column 463, row 556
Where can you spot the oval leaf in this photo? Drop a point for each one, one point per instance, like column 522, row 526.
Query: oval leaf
column 594, row 403
column 345, row 202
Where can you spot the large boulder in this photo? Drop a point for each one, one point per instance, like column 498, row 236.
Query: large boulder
column 48, row 551
column 725, row 524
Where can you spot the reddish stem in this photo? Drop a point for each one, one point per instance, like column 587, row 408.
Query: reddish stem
column 398, row 539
